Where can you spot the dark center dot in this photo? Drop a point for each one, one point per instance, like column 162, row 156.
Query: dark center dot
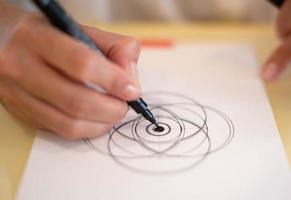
column 159, row 129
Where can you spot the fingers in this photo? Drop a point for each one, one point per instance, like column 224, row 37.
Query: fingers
column 71, row 97
column 277, row 62
column 49, row 118
column 79, row 62
column 283, row 23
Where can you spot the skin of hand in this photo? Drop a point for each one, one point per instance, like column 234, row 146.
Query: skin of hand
column 280, row 59
column 43, row 71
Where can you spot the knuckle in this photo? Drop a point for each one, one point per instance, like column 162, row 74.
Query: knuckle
column 11, row 57
column 26, row 25
column 77, row 107
column 113, row 82
column 10, row 71
column 72, row 131
column 119, row 113
column 132, row 43
column 83, row 62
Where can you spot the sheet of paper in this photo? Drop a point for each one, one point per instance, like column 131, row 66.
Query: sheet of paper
column 219, row 141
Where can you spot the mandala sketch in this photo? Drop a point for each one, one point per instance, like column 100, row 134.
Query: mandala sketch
column 188, row 133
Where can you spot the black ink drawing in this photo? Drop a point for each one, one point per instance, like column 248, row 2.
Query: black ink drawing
column 189, row 132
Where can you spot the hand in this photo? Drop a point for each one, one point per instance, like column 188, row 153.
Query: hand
column 281, row 57
column 43, row 71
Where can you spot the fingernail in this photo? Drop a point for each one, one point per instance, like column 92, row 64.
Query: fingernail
column 130, row 91
column 270, row 72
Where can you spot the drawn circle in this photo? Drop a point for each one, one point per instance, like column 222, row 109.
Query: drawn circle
column 142, row 135
column 191, row 132
column 149, row 143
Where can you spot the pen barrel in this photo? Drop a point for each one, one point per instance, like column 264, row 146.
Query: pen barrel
column 62, row 20
column 138, row 105
column 277, row 3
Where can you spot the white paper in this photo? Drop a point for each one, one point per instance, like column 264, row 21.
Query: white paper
column 223, row 142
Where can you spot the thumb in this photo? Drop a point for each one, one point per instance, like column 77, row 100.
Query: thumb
column 122, row 50
column 125, row 53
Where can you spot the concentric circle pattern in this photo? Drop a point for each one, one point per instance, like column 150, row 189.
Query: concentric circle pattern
column 188, row 132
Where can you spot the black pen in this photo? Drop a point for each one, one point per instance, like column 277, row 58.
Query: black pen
column 277, row 3
column 62, row 20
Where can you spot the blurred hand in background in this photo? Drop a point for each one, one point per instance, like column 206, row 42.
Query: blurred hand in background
column 280, row 59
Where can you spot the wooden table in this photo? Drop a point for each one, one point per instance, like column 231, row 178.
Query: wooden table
column 16, row 139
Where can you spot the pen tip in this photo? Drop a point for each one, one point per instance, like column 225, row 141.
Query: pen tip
column 159, row 128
